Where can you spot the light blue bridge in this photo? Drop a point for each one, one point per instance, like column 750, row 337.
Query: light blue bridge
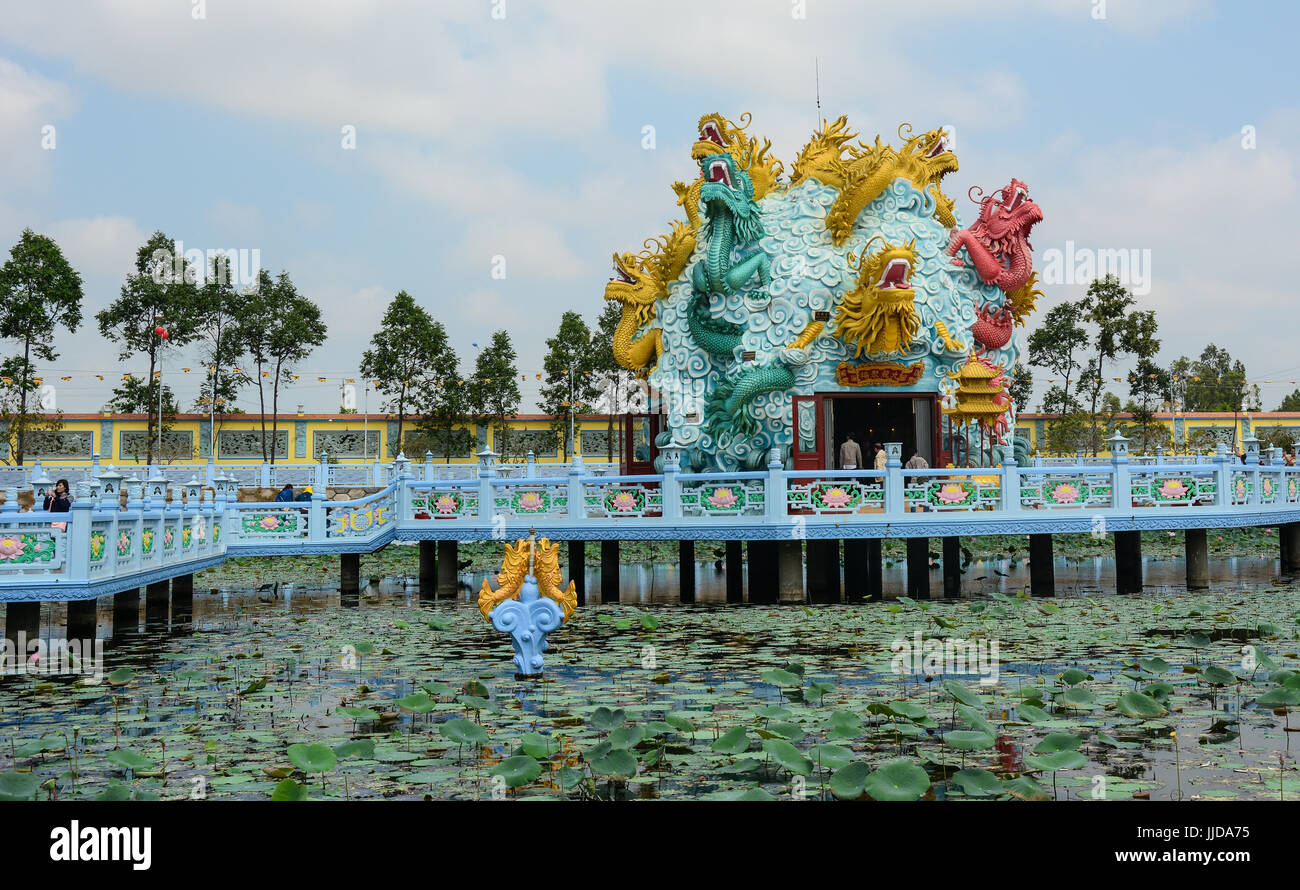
column 813, row 527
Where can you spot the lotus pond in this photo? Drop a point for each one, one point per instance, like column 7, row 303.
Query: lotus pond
column 1163, row 696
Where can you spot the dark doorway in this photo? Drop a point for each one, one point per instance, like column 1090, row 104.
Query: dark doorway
column 879, row 418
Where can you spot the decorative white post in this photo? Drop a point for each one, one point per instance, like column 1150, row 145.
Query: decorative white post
column 77, row 539
column 895, row 495
column 1010, row 483
column 1120, row 491
column 577, row 488
column 42, row 485
column 531, row 472
column 487, row 471
column 1251, row 444
column 11, row 500
column 316, row 518
column 1222, row 476
column 774, row 489
column 671, row 490
column 264, row 479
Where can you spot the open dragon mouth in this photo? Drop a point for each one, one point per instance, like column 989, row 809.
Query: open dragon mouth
column 720, row 172
column 620, row 275
column 711, row 132
column 895, row 276
column 1020, row 197
column 940, row 146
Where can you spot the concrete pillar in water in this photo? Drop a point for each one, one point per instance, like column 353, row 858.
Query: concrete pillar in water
column 126, row 611
column 855, row 569
column 1198, row 558
column 1128, row 562
column 448, row 568
column 24, row 617
column 182, row 598
column 428, row 569
column 578, row 569
column 1289, row 535
column 686, row 575
column 350, row 572
column 918, row 568
column 763, row 572
column 156, row 594
column 952, row 566
column 82, row 619
column 735, row 571
column 790, row 571
column 609, row 571
column 824, row 570
column 1042, row 567
column 875, row 569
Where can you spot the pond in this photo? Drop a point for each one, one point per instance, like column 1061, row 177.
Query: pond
column 1163, row 695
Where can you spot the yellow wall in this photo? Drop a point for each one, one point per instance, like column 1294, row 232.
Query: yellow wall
column 1182, row 427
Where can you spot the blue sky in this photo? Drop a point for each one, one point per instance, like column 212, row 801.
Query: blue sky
column 521, row 136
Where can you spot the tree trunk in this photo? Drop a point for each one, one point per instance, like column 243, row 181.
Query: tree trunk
column 275, row 410
column 261, row 404
column 22, row 404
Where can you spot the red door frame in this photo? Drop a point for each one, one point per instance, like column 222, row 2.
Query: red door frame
column 814, row 460
column 631, row 466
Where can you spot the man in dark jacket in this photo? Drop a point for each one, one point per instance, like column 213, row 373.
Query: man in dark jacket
column 304, row 495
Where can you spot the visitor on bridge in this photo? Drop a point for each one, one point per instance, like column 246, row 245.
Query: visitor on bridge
column 286, row 493
column 880, row 456
column 304, row 495
column 58, row 501
column 850, row 454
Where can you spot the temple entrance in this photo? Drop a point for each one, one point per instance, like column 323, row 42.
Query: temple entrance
column 823, row 422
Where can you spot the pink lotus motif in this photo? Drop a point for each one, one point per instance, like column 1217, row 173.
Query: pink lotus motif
column 1173, row 489
column 723, row 499
column 123, row 543
column 1065, row 493
column 531, row 502
column 1240, row 488
column 167, row 538
column 952, row 493
column 269, row 523
column 10, row 548
column 836, row 497
column 623, row 502
column 446, row 505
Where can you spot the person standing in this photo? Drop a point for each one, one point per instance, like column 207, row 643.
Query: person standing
column 880, row 456
column 58, row 501
column 850, row 454
column 286, row 493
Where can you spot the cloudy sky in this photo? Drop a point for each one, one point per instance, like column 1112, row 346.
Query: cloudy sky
column 515, row 128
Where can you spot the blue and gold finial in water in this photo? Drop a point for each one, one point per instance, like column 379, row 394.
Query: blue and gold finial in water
column 529, row 603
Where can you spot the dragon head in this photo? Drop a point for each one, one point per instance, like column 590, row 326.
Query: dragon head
column 822, row 157
column 727, row 187
column 926, row 159
column 639, row 280
column 719, row 135
column 1009, row 213
column 879, row 315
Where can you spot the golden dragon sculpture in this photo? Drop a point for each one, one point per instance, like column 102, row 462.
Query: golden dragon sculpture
column 639, row 281
column 514, row 567
column 879, row 315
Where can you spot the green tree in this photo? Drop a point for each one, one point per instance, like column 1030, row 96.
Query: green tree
column 279, row 329
column 135, row 396
column 443, row 399
column 568, row 389
column 41, row 292
column 1290, row 402
column 1056, row 345
column 402, row 356
column 494, row 388
column 1214, row 382
column 1022, row 386
column 219, row 308
column 161, row 292
column 1117, row 330
column 1148, row 384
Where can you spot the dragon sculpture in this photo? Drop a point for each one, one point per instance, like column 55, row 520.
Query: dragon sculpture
column 998, row 242
column 545, row 558
column 770, row 287
column 639, row 283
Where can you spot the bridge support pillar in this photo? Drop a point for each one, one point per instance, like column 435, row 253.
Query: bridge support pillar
column 763, row 572
column 790, row 571
column 182, row 599
column 1042, row 566
column 24, row 618
column 1198, row 558
column 578, row 569
column 918, row 568
column 735, row 573
column 686, row 575
column 350, row 572
column 157, row 594
column 1128, row 562
column 952, row 566
column 875, row 570
column 1289, row 536
column 448, row 568
column 855, row 569
column 83, row 619
column 824, row 570
column 428, row 568
column 126, row 611
column 609, row 571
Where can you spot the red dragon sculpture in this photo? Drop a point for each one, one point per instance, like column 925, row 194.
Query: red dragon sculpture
column 992, row 327
column 998, row 242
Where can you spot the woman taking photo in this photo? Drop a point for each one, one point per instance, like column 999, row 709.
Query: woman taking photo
column 58, row 501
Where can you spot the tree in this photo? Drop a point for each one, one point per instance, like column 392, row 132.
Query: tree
column 280, row 328
column 1214, row 382
column 161, row 292
column 1022, row 386
column 494, row 388
column 1147, row 385
column 135, row 396
column 40, row 292
column 568, row 388
column 1055, row 345
column 219, row 308
column 1117, row 330
column 617, row 384
column 443, row 398
column 1291, row 402
column 402, row 356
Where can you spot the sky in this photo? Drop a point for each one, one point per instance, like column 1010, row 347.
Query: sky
column 491, row 130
